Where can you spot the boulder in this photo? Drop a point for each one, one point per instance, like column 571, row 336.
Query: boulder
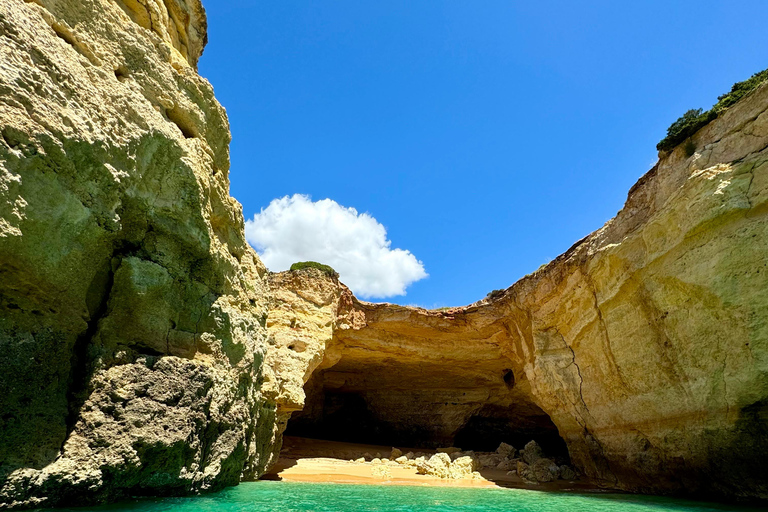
column 463, row 467
column 506, row 450
column 545, row 470
column 524, row 471
column 438, row 465
column 532, row 452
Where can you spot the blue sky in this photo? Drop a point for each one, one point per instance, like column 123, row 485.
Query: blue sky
column 486, row 137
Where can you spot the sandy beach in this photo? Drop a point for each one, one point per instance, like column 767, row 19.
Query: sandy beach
column 312, row 460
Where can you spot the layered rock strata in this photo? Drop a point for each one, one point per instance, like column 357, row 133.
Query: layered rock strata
column 144, row 349
column 132, row 311
column 646, row 343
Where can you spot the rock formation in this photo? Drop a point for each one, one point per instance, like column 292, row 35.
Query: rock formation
column 645, row 344
column 132, row 324
column 145, row 350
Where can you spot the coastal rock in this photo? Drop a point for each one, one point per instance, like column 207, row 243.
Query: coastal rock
column 506, row 450
column 525, row 472
column 438, row 465
column 532, row 452
column 144, row 348
column 132, row 309
column 463, row 467
column 545, row 470
column 643, row 349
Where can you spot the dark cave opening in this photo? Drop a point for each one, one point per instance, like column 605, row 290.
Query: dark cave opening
column 491, row 426
column 365, row 416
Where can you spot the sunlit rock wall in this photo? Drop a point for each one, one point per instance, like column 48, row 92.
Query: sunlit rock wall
column 132, row 311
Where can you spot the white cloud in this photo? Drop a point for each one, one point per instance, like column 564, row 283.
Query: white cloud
column 295, row 229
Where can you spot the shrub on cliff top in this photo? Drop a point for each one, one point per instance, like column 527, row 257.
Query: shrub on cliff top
column 313, row 264
column 695, row 119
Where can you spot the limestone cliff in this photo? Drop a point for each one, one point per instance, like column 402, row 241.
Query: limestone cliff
column 132, row 311
column 645, row 345
column 144, row 349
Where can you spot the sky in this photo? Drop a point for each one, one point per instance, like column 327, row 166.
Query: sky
column 433, row 151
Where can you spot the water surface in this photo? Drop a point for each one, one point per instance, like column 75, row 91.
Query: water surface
column 270, row 496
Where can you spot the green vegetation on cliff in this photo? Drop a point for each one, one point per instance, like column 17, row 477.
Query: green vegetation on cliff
column 313, row 264
column 695, row 119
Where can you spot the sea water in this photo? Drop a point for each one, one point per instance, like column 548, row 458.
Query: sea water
column 271, row 496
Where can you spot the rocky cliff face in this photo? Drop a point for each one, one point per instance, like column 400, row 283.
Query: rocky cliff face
column 645, row 344
column 144, row 349
column 132, row 311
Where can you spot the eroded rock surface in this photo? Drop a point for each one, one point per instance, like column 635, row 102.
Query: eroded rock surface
column 132, row 325
column 646, row 343
column 145, row 350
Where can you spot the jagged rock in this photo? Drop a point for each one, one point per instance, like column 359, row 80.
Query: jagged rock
column 463, row 467
column 402, row 460
column 545, row 470
column 506, row 450
column 410, row 455
column 531, row 453
column 525, row 472
column 395, row 453
column 438, row 465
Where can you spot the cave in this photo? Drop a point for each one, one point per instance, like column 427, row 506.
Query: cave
column 422, row 407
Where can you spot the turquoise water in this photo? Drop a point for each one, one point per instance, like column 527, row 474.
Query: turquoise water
column 311, row 497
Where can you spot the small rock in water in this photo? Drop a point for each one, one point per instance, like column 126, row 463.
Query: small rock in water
column 506, row 465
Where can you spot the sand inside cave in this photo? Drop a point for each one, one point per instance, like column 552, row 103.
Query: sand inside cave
column 314, row 460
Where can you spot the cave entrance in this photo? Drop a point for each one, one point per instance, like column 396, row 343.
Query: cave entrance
column 402, row 407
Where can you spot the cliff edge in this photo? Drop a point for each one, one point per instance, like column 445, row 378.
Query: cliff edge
column 132, row 333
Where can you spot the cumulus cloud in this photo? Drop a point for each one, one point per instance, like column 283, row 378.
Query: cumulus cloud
column 295, row 229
